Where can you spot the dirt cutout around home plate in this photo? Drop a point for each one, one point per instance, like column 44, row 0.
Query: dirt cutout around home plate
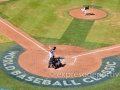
column 36, row 62
column 91, row 13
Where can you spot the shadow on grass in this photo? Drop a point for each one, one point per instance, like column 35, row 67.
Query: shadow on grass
column 74, row 35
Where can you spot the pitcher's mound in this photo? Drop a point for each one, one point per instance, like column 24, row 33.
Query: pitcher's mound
column 92, row 13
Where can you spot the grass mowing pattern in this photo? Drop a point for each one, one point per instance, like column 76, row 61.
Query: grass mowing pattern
column 77, row 32
column 75, row 35
column 87, row 45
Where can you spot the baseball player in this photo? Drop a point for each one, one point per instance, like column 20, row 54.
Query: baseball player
column 51, row 62
column 85, row 10
column 58, row 62
column 51, row 59
column 52, row 52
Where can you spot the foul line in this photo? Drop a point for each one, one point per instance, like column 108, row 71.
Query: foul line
column 96, row 51
column 93, row 53
column 24, row 36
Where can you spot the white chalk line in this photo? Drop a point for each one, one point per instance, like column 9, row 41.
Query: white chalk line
column 24, row 36
column 75, row 57
column 97, row 51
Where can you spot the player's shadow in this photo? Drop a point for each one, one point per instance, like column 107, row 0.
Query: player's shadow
column 62, row 65
column 90, row 14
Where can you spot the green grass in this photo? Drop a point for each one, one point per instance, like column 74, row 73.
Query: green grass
column 6, row 46
column 76, row 35
column 48, row 22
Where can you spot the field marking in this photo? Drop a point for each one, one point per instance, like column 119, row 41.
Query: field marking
column 97, row 51
column 24, row 36
column 75, row 57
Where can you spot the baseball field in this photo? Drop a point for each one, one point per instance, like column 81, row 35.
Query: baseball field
column 48, row 23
